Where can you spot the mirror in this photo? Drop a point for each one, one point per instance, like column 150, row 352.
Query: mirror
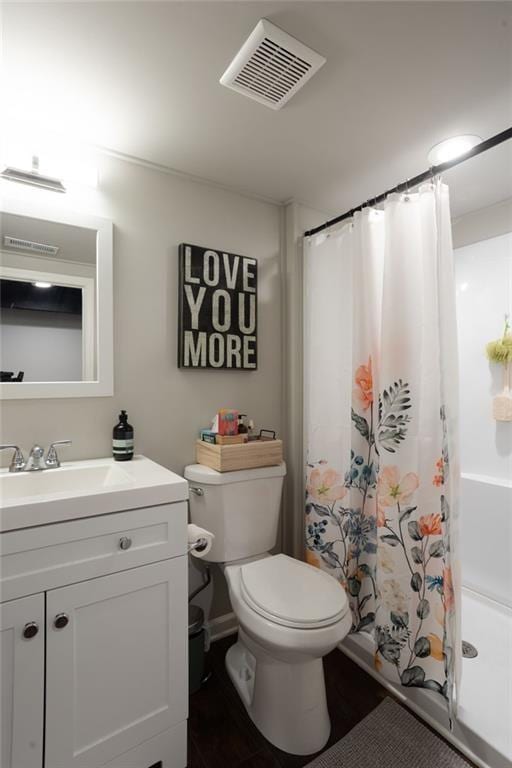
column 55, row 304
column 47, row 289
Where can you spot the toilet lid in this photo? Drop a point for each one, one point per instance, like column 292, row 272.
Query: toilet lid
column 292, row 593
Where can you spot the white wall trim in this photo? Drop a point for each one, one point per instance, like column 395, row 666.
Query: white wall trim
column 222, row 626
column 103, row 385
column 485, row 209
column 167, row 169
column 482, row 224
column 325, row 214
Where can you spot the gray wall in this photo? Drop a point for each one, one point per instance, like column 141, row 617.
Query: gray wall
column 482, row 224
column 153, row 212
column 298, row 219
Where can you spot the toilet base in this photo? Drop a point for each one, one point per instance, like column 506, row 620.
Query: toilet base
column 285, row 701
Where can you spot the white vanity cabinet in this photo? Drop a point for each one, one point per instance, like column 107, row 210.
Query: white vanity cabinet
column 22, row 682
column 94, row 642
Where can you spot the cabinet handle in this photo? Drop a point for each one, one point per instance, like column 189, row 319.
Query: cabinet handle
column 61, row 620
column 30, row 630
column 125, row 542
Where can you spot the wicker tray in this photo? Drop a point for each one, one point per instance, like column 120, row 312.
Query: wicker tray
column 229, row 458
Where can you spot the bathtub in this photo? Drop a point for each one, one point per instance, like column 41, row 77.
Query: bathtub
column 486, row 536
column 483, row 728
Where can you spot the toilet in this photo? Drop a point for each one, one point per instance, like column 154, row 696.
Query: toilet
column 290, row 614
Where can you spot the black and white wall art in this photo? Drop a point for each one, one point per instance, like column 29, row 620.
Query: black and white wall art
column 218, row 305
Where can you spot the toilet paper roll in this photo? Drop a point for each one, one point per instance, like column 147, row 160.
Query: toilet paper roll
column 200, row 540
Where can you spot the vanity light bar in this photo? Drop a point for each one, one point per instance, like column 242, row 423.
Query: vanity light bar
column 28, row 245
column 32, row 178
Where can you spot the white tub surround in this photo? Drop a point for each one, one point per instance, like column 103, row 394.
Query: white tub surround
column 483, row 273
column 93, row 575
column 481, row 730
column 486, row 537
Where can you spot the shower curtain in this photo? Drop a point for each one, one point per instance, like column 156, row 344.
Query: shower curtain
column 381, row 431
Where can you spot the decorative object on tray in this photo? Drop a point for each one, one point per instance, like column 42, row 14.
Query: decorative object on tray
column 217, row 309
column 500, row 351
column 266, row 434
column 227, row 421
column 230, row 444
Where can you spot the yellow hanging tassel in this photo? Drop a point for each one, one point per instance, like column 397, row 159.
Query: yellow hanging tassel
column 500, row 351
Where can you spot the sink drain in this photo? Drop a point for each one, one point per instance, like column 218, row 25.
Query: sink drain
column 468, row 650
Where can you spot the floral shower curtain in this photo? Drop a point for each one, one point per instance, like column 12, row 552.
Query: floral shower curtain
column 381, row 431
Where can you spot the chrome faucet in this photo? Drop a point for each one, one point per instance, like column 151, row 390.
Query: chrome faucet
column 18, row 461
column 52, row 460
column 36, row 461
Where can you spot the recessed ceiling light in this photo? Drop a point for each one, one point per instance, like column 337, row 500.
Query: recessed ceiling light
column 41, row 284
column 449, row 149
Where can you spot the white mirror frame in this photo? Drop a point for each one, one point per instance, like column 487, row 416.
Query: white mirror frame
column 103, row 385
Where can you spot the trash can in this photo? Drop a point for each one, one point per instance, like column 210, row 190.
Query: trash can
column 196, row 647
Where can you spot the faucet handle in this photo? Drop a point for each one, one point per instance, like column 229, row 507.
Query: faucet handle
column 52, row 459
column 18, row 461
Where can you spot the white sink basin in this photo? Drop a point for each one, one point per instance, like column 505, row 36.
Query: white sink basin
column 68, row 478
column 85, row 488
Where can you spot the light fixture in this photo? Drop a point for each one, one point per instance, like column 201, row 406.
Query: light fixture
column 42, row 284
column 46, row 159
column 449, row 149
column 33, row 177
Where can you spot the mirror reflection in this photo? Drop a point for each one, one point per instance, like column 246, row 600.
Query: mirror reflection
column 48, row 276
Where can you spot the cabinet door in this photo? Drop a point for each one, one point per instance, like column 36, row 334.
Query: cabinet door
column 116, row 663
column 22, row 682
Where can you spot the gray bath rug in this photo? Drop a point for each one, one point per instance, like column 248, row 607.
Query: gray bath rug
column 389, row 737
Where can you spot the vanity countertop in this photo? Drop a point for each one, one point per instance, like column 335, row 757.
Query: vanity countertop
column 80, row 489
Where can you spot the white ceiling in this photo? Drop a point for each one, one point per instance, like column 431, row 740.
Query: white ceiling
column 141, row 78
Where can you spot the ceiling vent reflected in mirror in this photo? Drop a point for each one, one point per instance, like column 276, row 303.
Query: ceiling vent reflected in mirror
column 271, row 66
column 28, row 245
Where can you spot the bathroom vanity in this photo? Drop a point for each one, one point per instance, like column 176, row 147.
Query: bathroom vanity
column 93, row 620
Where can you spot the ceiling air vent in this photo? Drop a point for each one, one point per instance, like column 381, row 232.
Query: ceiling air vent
column 28, row 245
column 271, row 66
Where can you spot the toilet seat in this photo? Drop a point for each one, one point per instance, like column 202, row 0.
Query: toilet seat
column 292, row 593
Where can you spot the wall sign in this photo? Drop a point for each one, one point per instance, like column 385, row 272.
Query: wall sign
column 217, row 309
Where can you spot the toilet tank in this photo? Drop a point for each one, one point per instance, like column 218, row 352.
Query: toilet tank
column 240, row 508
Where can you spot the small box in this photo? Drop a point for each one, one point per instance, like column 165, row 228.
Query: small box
column 229, row 458
column 208, row 436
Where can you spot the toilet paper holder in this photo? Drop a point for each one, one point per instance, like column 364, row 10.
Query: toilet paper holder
column 198, row 545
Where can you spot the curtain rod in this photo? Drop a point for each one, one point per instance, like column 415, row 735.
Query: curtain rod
column 434, row 170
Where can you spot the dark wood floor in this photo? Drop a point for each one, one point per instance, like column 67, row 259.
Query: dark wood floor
column 221, row 734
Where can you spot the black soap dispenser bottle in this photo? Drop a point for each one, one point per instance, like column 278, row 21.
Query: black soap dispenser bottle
column 122, row 439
